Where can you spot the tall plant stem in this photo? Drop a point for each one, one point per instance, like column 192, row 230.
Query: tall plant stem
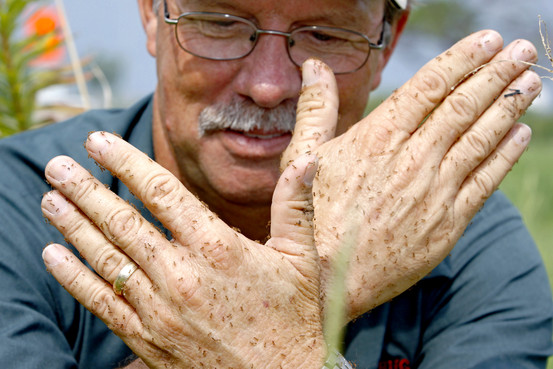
column 73, row 56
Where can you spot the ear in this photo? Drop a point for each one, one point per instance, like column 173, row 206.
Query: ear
column 396, row 29
column 149, row 22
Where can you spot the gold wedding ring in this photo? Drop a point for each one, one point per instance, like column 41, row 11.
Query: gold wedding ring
column 123, row 276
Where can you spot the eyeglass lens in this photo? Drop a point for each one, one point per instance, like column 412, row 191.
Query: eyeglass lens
column 225, row 37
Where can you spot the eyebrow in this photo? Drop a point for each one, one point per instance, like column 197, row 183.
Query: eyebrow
column 206, row 3
column 340, row 16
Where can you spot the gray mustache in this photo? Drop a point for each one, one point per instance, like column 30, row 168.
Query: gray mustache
column 246, row 116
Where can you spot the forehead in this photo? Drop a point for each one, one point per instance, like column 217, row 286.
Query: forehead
column 343, row 12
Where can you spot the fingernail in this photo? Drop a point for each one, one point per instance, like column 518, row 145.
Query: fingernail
column 311, row 72
column 523, row 50
column 492, row 41
column 53, row 203
column 60, row 169
column 529, row 83
column 53, row 255
column 97, row 143
column 521, row 134
column 311, row 170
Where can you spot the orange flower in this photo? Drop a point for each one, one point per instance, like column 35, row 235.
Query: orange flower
column 45, row 22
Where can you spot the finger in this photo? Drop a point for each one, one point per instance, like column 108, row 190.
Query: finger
column 91, row 291
column 188, row 220
column 121, row 223
column 472, row 98
column 101, row 254
column 105, row 258
column 292, row 214
column 486, row 178
column 317, row 112
column 411, row 104
column 483, row 137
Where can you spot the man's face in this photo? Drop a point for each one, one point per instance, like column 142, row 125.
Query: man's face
column 236, row 166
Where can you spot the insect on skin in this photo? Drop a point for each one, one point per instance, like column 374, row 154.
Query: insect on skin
column 515, row 92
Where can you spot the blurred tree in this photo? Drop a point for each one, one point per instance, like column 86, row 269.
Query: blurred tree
column 447, row 21
column 31, row 52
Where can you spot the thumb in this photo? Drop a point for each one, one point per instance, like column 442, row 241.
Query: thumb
column 317, row 113
column 292, row 214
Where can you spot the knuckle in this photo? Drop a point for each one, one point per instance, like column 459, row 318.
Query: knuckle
column 122, row 224
column 378, row 139
column 463, row 105
column 432, row 85
column 187, row 290
column 513, row 109
column 162, row 190
column 72, row 227
column 109, row 262
column 485, row 183
column 478, row 144
column 220, row 255
column 499, row 75
column 72, row 281
column 310, row 102
column 83, row 189
column 505, row 158
column 100, row 302
column 122, row 164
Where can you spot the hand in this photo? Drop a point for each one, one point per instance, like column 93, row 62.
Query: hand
column 405, row 181
column 208, row 298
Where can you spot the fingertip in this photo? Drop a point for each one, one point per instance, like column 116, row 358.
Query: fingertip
column 521, row 134
column 53, row 204
column 59, row 169
column 97, row 142
column 53, row 255
column 491, row 40
column 312, row 71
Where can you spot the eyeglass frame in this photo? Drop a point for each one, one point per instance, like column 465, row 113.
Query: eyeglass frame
column 258, row 31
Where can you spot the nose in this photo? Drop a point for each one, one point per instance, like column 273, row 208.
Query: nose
column 267, row 76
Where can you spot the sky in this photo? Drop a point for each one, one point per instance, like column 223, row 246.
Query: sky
column 110, row 31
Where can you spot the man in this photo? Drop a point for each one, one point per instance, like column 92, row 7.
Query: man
column 487, row 304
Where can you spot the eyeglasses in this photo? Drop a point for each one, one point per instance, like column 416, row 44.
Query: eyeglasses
column 219, row 36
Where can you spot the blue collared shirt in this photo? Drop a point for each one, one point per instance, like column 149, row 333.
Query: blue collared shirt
column 488, row 305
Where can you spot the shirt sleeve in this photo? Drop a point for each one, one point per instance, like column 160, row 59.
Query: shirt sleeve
column 495, row 309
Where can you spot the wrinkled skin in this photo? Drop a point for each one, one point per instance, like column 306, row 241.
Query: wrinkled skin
column 208, row 298
column 409, row 201
column 230, row 172
column 404, row 191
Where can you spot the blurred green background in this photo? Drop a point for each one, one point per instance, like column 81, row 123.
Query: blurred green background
column 530, row 187
column 530, row 184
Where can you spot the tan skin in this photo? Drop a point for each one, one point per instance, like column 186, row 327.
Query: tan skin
column 416, row 187
column 239, row 190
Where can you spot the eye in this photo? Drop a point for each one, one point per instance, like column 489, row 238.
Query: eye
column 322, row 36
column 211, row 26
column 222, row 24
